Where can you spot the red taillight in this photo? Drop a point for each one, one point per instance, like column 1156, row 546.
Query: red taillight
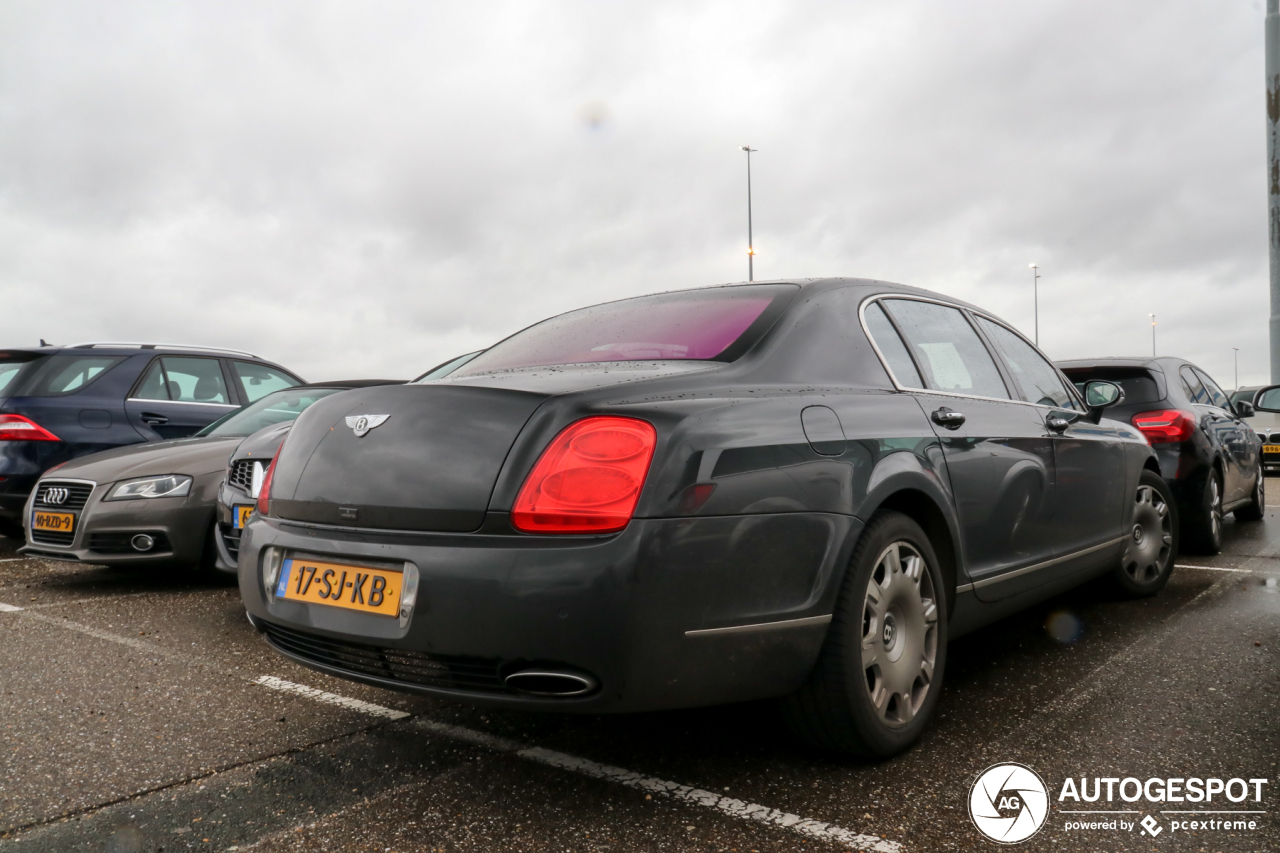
column 589, row 479
column 18, row 428
column 264, row 494
column 1166, row 425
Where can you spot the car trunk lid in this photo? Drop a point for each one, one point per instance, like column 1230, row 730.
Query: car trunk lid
column 430, row 464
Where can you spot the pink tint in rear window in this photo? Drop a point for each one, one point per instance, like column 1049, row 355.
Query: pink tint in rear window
column 690, row 325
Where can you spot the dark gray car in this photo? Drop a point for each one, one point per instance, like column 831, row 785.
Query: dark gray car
column 798, row 490
column 152, row 503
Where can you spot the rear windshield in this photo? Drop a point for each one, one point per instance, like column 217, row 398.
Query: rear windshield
column 59, row 375
column 272, row 409
column 12, row 365
column 715, row 324
column 1138, row 384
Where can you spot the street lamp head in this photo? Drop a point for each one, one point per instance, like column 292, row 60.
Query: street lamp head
column 1031, row 266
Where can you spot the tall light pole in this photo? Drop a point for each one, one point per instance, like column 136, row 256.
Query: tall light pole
column 751, row 246
column 1271, row 30
column 1035, row 286
column 1153, row 334
column 1235, row 354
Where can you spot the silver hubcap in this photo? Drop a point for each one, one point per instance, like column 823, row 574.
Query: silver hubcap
column 1152, row 536
column 899, row 634
column 1215, row 512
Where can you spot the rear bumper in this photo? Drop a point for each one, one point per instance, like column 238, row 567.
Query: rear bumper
column 619, row 608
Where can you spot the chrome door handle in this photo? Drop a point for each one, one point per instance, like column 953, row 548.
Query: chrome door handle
column 947, row 419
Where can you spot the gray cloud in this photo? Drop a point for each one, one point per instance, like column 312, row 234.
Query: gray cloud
column 362, row 190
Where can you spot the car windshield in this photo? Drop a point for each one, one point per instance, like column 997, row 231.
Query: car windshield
column 274, row 408
column 712, row 324
column 1245, row 395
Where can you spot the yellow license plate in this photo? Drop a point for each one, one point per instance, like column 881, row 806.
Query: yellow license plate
column 241, row 517
column 1271, row 448
column 353, row 587
column 64, row 522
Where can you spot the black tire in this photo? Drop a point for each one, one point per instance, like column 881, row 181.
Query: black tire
column 12, row 529
column 835, row 709
column 208, row 565
column 1148, row 560
column 1256, row 508
column 1202, row 527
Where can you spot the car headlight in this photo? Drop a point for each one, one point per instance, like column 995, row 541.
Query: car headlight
column 164, row 486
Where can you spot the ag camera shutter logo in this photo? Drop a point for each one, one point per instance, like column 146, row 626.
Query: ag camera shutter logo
column 1008, row 803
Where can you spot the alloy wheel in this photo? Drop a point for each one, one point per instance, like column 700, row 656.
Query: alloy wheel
column 1152, row 536
column 1215, row 507
column 899, row 634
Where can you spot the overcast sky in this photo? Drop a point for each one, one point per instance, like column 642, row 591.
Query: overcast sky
column 367, row 189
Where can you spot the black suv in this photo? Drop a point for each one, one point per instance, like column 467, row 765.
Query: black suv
column 57, row 403
column 1211, row 458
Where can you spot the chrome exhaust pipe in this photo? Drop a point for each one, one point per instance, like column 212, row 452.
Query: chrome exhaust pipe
column 541, row 681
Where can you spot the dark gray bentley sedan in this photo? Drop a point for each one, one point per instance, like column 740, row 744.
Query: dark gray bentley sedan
column 794, row 490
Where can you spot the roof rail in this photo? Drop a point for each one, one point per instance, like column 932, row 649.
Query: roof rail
column 179, row 347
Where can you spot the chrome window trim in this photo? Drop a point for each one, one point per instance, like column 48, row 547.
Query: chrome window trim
column 898, row 386
column 181, row 402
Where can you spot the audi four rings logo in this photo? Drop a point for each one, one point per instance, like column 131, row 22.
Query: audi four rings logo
column 56, row 495
column 1009, row 803
column 361, row 424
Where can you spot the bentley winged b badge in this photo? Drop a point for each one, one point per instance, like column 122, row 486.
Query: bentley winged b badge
column 361, row 424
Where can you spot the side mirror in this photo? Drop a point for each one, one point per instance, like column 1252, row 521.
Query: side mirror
column 1268, row 399
column 1243, row 409
column 1099, row 394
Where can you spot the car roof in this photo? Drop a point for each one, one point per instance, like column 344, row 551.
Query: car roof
column 1111, row 361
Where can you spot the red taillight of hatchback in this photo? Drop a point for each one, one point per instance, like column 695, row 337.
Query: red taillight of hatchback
column 589, row 479
column 1166, row 425
column 18, row 428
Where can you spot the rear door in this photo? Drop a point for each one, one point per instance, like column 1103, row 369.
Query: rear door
column 179, row 395
column 1089, row 459
column 999, row 459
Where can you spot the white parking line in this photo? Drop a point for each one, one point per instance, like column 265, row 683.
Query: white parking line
column 584, row 767
column 8, row 608
column 14, row 559
column 1219, row 569
column 329, row 698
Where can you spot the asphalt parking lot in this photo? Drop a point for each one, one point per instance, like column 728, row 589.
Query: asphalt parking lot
column 142, row 712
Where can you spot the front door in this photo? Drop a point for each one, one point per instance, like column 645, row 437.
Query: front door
column 1090, row 510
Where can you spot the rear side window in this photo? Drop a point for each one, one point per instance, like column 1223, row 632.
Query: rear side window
column 947, row 349
column 13, row 364
column 716, row 324
column 258, row 380
column 891, row 346
column 1191, row 384
column 184, row 380
column 1036, row 377
column 67, row 374
column 1211, row 388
